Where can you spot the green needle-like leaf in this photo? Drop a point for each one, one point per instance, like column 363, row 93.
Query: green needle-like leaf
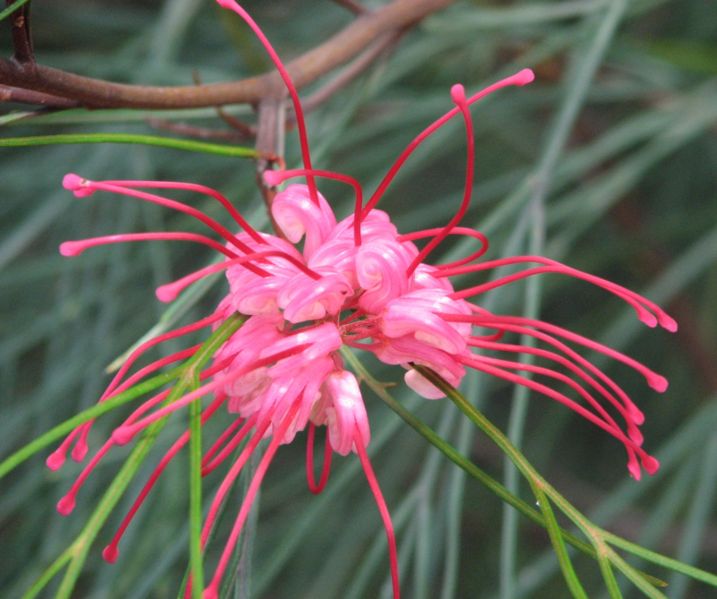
column 195, row 497
column 556, row 538
column 57, row 432
column 607, row 574
column 6, row 12
column 81, row 545
column 187, row 145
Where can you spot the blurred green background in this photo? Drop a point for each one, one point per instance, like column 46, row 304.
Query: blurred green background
column 607, row 162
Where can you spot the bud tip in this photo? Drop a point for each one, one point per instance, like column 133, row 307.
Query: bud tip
column 110, row 553
column 66, row 505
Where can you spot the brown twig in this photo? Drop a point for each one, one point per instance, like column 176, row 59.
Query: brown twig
column 352, row 6
column 26, row 96
column 245, row 130
column 21, row 39
column 350, row 72
column 97, row 93
column 270, row 142
column 193, row 130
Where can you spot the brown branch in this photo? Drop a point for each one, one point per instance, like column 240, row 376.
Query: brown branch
column 193, row 130
column 243, row 129
column 21, row 39
column 26, row 96
column 352, row 6
column 97, row 93
column 271, row 125
column 362, row 62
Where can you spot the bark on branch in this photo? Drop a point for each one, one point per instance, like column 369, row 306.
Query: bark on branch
column 96, row 93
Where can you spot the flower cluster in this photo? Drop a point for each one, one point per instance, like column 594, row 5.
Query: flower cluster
column 322, row 284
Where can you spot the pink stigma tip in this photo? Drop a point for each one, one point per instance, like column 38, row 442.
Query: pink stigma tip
column 79, row 451
column 524, row 77
column 648, row 319
column 166, row 293
column 66, row 505
column 77, row 185
column 458, row 93
column 70, row 249
column 651, row 464
column 72, row 182
column 636, row 414
column 110, row 554
column 273, row 178
column 634, row 469
column 668, row 323
column 122, row 435
column 55, row 460
column 225, row 3
column 658, row 383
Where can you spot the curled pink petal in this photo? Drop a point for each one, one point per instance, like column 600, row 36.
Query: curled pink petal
column 298, row 216
column 347, row 419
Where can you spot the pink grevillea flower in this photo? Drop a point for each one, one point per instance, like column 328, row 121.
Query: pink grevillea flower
column 322, row 284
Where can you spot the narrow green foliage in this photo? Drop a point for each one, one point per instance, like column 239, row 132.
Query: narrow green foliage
column 187, row 378
column 186, row 145
column 608, row 577
column 599, row 537
column 59, row 431
column 556, row 538
column 195, row 496
column 7, row 11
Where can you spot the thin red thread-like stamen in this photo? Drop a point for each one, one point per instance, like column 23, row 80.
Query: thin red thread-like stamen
column 123, row 434
column 138, row 376
column 298, row 111
column 635, row 413
column 454, row 231
column 226, row 485
column 603, row 415
column 364, row 346
column 383, row 510
column 521, row 78
column 458, row 95
column 211, row 591
column 275, row 178
column 221, row 439
column 647, row 317
column 639, row 302
column 572, row 366
column 204, row 190
column 635, row 440
column 169, row 291
column 87, row 186
column 231, row 476
column 328, row 452
column 110, row 552
column 67, row 503
column 75, row 248
column 359, row 325
column 137, row 353
column 352, row 316
column 654, row 380
column 561, row 398
column 209, row 465
column 57, row 458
